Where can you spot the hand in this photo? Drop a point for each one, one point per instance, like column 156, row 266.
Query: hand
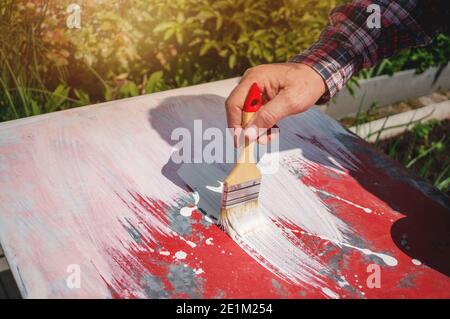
column 290, row 88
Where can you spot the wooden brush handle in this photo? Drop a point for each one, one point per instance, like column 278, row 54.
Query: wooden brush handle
column 252, row 104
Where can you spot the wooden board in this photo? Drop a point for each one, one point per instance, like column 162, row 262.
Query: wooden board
column 91, row 206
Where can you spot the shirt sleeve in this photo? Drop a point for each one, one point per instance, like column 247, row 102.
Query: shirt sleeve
column 352, row 41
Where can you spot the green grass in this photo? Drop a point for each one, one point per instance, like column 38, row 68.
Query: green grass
column 425, row 150
column 24, row 68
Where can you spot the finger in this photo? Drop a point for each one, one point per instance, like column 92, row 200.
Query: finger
column 235, row 101
column 270, row 113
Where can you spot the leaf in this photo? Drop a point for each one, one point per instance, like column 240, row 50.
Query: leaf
column 154, row 82
column 219, row 22
column 232, row 59
column 444, row 185
column 128, row 89
column 107, row 94
column 163, row 26
column 35, row 108
column 83, row 98
column 168, row 34
column 206, row 47
column 179, row 36
column 57, row 98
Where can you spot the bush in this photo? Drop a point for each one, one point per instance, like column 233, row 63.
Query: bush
column 140, row 46
column 161, row 44
column 130, row 47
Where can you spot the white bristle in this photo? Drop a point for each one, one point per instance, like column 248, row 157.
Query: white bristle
column 242, row 219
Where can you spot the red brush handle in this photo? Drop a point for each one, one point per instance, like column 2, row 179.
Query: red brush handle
column 254, row 99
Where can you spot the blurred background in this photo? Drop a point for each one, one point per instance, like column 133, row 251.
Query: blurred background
column 125, row 48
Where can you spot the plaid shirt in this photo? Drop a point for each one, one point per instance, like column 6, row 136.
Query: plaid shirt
column 349, row 44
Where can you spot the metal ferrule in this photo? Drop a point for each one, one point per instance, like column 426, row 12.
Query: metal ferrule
column 240, row 193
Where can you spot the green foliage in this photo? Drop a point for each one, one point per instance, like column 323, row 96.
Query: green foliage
column 131, row 47
column 25, row 68
column 187, row 42
column 425, row 150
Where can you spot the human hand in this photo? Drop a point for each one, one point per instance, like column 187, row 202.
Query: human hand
column 289, row 88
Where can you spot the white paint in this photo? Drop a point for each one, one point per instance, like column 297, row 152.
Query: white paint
column 187, row 211
column 209, row 241
column 190, row 243
column 180, row 254
column 272, row 246
column 365, row 209
column 164, row 252
column 416, row 262
column 216, row 189
column 388, row 260
column 199, row 271
column 330, row 293
column 196, row 197
column 209, row 220
column 342, row 282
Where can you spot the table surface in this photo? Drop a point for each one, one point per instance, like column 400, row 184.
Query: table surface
column 91, row 205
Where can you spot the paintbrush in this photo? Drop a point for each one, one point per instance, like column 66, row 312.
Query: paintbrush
column 239, row 206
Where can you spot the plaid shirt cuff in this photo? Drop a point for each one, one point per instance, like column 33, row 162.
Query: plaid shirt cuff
column 335, row 69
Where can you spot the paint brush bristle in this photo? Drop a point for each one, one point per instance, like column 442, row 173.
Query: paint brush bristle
column 242, row 219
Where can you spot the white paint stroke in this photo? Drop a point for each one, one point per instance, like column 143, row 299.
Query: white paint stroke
column 180, row 255
column 273, row 247
column 216, row 189
column 330, row 293
column 365, row 209
column 187, row 210
column 416, row 262
column 388, row 260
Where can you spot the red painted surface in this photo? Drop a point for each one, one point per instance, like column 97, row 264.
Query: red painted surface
column 396, row 209
column 95, row 187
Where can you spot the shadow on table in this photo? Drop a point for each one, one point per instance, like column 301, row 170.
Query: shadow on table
column 424, row 231
column 8, row 286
